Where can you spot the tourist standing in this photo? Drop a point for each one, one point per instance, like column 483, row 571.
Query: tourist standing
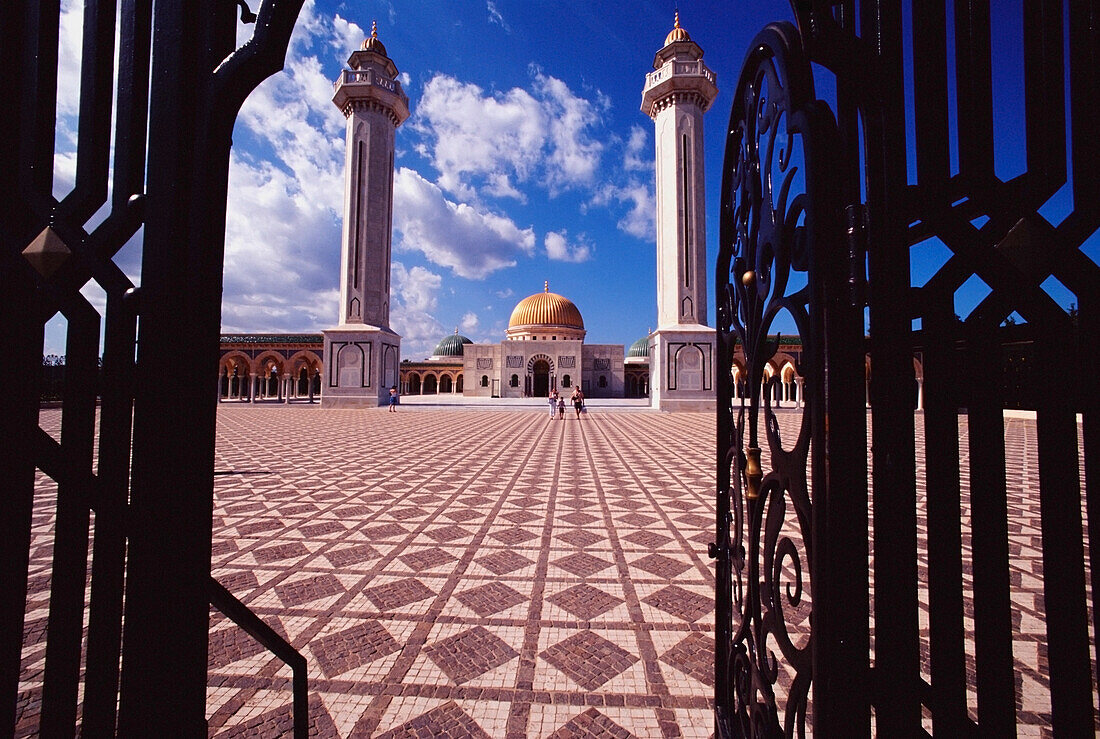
column 578, row 401
column 553, row 403
column 561, row 408
column 393, row 399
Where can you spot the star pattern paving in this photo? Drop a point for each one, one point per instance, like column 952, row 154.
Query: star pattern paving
column 461, row 572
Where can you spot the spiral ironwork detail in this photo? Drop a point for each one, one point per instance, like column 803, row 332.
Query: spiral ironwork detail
column 764, row 543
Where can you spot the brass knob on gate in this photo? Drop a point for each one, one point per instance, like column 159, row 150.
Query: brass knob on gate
column 753, row 473
column 748, row 279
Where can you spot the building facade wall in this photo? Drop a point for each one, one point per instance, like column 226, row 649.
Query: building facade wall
column 481, row 368
column 603, row 371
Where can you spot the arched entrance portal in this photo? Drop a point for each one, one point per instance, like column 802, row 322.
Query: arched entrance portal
column 540, row 372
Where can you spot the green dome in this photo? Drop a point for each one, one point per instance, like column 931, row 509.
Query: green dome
column 639, row 348
column 451, row 346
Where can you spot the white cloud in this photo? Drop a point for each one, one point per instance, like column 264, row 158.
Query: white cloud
column 559, row 249
column 281, row 252
column 64, row 172
column 496, row 17
column 417, row 287
column 505, row 293
column 573, row 156
column 640, row 219
column 69, row 53
column 347, row 36
column 282, row 248
column 412, row 306
column 469, row 321
column 494, row 142
column 470, row 241
column 638, row 156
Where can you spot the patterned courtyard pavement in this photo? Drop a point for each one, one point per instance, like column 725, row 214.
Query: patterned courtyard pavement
column 470, row 572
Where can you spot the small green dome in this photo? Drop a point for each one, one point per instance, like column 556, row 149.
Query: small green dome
column 639, row 348
column 451, row 346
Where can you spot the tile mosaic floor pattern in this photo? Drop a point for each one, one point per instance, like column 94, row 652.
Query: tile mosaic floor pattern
column 478, row 573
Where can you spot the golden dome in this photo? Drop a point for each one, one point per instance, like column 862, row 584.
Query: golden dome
column 546, row 309
column 677, row 33
column 372, row 43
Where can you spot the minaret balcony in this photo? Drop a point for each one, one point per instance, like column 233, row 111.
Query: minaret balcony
column 679, row 76
column 354, row 85
column 679, row 69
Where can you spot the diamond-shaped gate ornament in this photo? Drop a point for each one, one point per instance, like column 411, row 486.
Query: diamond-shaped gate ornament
column 47, row 252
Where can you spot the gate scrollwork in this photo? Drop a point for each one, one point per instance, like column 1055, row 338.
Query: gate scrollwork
column 764, row 542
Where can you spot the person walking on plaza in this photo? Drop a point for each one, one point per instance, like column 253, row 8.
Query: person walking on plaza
column 393, row 399
column 553, row 403
column 578, row 401
column 561, row 408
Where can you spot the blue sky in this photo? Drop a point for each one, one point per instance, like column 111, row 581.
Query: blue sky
column 525, row 158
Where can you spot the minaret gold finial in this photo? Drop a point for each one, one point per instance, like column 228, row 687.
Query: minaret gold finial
column 374, row 27
column 676, row 22
column 456, row 330
column 546, row 286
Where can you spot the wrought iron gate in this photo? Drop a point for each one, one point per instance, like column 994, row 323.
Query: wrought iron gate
column 818, row 220
column 179, row 85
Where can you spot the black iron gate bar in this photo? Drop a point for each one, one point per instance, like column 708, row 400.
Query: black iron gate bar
column 1014, row 251
column 180, row 79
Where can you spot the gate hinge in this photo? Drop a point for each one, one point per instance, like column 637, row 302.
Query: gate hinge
column 855, row 218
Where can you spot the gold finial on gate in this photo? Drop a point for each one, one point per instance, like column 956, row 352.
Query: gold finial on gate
column 753, row 473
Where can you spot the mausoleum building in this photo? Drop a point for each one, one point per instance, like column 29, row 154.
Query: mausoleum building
column 543, row 350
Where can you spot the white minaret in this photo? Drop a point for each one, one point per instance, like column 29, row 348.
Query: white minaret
column 362, row 352
column 677, row 93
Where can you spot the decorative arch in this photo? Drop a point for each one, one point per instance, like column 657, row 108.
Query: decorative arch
column 349, row 369
column 236, row 358
column 270, row 366
column 541, row 384
column 302, row 367
column 690, row 365
column 536, row 358
column 306, row 357
column 235, row 375
column 739, row 377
